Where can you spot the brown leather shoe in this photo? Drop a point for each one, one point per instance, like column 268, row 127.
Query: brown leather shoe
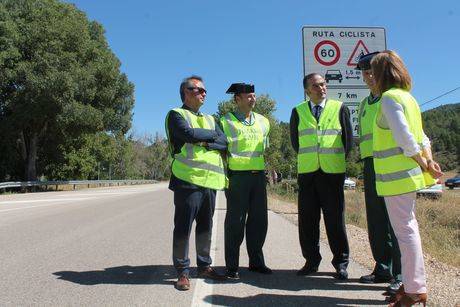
column 183, row 283
column 393, row 298
column 210, row 273
column 410, row 299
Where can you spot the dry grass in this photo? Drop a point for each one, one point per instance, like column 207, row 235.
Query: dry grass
column 439, row 220
column 439, row 223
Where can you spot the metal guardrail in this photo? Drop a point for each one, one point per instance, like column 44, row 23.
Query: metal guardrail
column 24, row 184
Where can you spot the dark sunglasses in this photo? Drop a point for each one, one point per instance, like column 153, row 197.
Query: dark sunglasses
column 197, row 89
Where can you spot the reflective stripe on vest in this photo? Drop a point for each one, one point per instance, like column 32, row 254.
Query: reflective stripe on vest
column 366, row 117
column 398, row 175
column 320, row 143
column 196, row 164
column 321, row 150
column 245, row 143
column 395, row 173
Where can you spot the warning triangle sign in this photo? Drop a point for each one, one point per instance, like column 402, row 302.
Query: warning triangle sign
column 360, row 49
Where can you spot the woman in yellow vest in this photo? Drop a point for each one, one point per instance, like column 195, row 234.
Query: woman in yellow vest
column 247, row 135
column 402, row 166
column 382, row 240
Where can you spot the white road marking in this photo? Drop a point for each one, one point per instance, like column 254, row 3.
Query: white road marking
column 204, row 289
column 99, row 193
column 41, row 200
column 29, row 207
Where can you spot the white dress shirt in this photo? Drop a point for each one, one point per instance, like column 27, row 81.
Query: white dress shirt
column 394, row 118
column 322, row 104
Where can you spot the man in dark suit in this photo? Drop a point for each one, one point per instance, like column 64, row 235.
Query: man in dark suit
column 321, row 134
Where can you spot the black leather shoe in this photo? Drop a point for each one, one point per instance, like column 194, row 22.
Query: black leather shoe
column 341, row 274
column 394, row 287
column 307, row 270
column 231, row 274
column 210, row 273
column 374, row 279
column 260, row 269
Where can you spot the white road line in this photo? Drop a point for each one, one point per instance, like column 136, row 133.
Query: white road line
column 41, row 200
column 204, row 289
column 98, row 193
column 62, row 198
column 29, row 207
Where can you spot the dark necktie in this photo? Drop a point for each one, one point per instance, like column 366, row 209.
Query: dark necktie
column 317, row 111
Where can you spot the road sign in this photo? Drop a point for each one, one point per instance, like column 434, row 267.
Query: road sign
column 333, row 52
column 352, row 97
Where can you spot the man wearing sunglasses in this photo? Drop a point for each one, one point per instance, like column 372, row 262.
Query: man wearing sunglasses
column 196, row 143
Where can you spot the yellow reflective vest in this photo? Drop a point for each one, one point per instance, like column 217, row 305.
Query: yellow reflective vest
column 320, row 143
column 395, row 173
column 367, row 113
column 246, row 144
column 196, row 164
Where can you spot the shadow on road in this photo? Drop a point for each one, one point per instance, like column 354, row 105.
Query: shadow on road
column 287, row 300
column 165, row 274
column 289, row 281
column 126, row 274
column 280, row 280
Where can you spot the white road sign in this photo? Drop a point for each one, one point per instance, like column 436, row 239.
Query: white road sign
column 334, row 52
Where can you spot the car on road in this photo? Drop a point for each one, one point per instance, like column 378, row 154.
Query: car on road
column 349, row 184
column 333, row 75
column 433, row 192
column 452, row 182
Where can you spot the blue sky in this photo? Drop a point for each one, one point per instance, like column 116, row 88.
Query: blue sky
column 161, row 42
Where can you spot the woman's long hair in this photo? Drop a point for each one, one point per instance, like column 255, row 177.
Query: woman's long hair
column 389, row 71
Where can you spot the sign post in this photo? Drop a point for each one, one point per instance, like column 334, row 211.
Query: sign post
column 333, row 52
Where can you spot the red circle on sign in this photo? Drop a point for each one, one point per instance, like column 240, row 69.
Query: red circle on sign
column 337, row 53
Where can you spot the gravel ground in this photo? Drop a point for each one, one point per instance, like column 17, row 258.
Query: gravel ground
column 443, row 280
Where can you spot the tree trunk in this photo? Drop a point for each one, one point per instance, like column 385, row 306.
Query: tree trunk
column 31, row 163
column 29, row 150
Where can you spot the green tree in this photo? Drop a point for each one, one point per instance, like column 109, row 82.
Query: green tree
column 442, row 126
column 354, row 165
column 59, row 80
column 159, row 159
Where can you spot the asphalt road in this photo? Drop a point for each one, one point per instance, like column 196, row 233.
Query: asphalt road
column 112, row 247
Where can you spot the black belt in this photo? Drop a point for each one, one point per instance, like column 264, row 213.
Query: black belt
column 230, row 172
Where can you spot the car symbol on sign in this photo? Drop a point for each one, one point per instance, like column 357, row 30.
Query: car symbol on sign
column 333, row 75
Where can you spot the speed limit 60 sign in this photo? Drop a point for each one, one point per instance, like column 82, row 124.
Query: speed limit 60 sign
column 327, row 53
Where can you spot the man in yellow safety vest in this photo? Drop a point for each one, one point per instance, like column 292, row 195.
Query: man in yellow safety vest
column 321, row 135
column 247, row 137
column 196, row 143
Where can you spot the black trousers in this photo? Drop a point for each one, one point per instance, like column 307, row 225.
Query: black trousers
column 192, row 205
column 383, row 242
column 320, row 191
column 246, row 208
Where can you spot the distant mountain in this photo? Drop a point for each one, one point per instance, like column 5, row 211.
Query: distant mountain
column 442, row 126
